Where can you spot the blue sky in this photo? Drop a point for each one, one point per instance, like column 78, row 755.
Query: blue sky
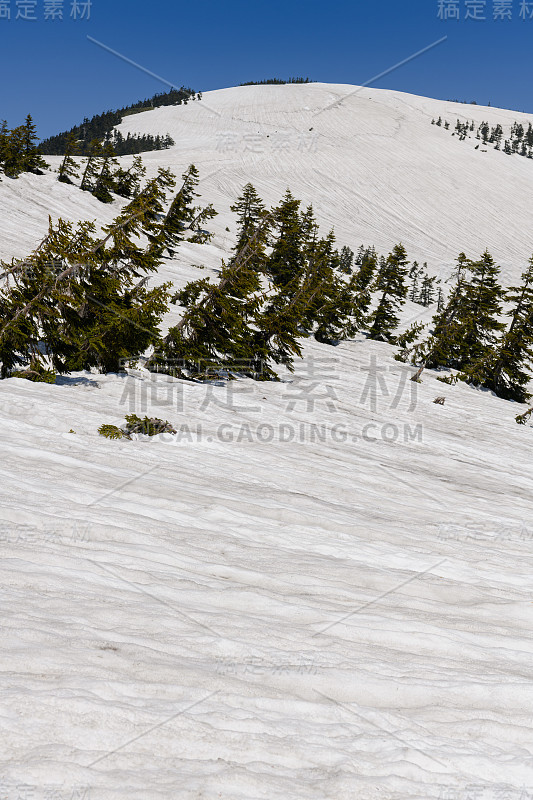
column 51, row 69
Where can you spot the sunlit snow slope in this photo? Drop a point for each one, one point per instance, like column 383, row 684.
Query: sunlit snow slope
column 369, row 160
column 356, row 594
column 319, row 589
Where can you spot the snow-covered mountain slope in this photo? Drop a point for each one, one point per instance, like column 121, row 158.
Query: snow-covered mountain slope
column 27, row 202
column 319, row 588
column 372, row 165
column 369, row 160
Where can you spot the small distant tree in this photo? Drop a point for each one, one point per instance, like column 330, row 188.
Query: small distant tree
column 391, row 283
column 180, row 213
column 104, row 183
column 32, row 160
column 505, row 368
column 127, row 182
column 415, row 273
column 69, row 169
column 92, row 167
column 12, row 150
column 250, row 211
column 427, row 291
column 346, row 261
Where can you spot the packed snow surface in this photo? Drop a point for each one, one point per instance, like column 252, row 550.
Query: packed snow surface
column 369, row 160
column 318, row 588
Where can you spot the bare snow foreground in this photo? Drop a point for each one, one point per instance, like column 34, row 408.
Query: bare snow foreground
column 320, row 588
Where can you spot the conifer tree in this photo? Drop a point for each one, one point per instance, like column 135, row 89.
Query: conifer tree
column 69, row 169
column 301, row 286
column 391, row 283
column 361, row 286
column 32, row 160
column 237, row 320
column 181, row 211
column 414, row 276
column 505, row 369
column 13, row 151
column 442, row 348
column 342, row 306
column 250, row 211
column 127, row 182
column 92, row 167
column 215, row 332
column 78, row 301
column 104, row 183
column 466, row 330
column 480, row 310
column 329, row 309
column 18, row 150
column 340, row 309
column 201, row 217
column 346, row 261
column 427, row 291
column 286, row 262
column 367, row 263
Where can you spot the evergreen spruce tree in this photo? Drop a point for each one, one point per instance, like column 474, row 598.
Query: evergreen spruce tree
column 414, row 276
column 13, row 151
column 353, row 298
column 262, row 305
column 215, row 334
column 329, row 309
column 250, row 211
column 69, row 169
column 368, row 264
column 104, row 183
column 299, row 272
column 391, row 283
column 181, row 212
column 466, row 330
column 505, row 369
column 127, row 182
column 92, row 167
column 427, row 291
column 442, row 348
column 346, row 261
column 201, row 217
column 32, row 160
column 481, row 310
column 77, row 301
column 286, row 262
column 361, row 286
column 341, row 307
